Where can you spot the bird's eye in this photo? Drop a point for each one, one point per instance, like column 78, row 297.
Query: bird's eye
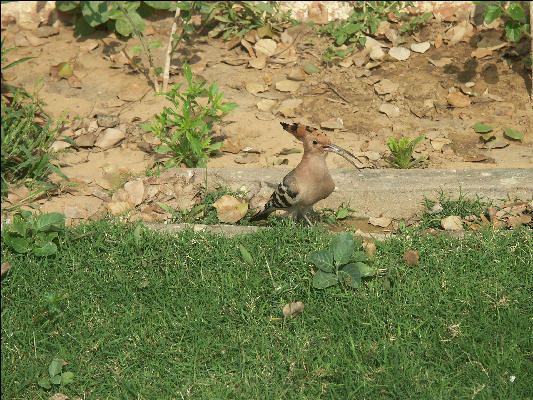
column 315, row 142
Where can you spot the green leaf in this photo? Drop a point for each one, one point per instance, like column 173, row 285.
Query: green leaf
column 364, row 270
column 513, row 30
column 492, row 12
column 67, row 378
column 343, row 213
column 155, row 45
column 159, row 5
column 227, row 107
column 342, row 248
column 18, row 244
column 323, row 259
column 55, row 367
column 512, row 134
column 123, row 26
column 19, row 225
column 45, row 250
column 360, row 256
column 82, row 27
column 44, row 383
column 66, row 6
column 56, row 380
column 163, row 148
column 487, row 138
column 479, row 127
column 51, row 222
column 137, row 235
column 95, row 12
column 246, row 256
column 322, row 280
column 350, row 275
column 135, row 49
column 516, row 12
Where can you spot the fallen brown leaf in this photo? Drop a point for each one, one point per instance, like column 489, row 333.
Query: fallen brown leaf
column 369, row 247
column 411, row 257
column 291, row 310
column 230, row 209
column 5, row 267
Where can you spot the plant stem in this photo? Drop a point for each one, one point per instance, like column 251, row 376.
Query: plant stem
column 170, row 49
column 151, row 72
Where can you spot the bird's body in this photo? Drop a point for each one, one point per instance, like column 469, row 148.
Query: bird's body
column 310, row 181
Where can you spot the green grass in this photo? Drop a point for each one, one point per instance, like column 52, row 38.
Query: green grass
column 186, row 317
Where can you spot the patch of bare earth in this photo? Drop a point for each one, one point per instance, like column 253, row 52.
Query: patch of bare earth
column 439, row 93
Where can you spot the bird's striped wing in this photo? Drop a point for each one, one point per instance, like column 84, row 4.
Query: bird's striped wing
column 285, row 196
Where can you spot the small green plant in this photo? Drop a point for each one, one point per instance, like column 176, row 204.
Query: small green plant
column 236, row 18
column 56, row 376
column 402, row 152
column 514, row 15
column 93, row 14
column 364, row 20
column 340, row 264
column 28, row 233
column 414, row 23
column 185, row 128
column 341, row 213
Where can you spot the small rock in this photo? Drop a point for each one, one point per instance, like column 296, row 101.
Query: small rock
column 60, row 145
column 255, row 87
column 118, row 207
column 439, row 143
column 264, row 116
column 107, row 121
column 420, row 47
column 258, row 62
column 442, row 62
column 347, row 62
column 288, row 107
column 297, row 74
column 457, row 99
column 246, row 158
column 399, row 53
column 74, row 212
column 135, row 190
column 391, row 110
column 230, row 146
column 287, row 86
column 372, row 155
column 377, row 53
column 469, row 84
column 372, row 43
column 452, row 223
column 437, row 208
column 386, row 86
column 382, row 222
column 332, row 123
column 309, row 68
column 109, row 138
column 266, row 104
column 266, row 47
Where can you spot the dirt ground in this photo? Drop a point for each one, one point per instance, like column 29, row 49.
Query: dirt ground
column 108, row 88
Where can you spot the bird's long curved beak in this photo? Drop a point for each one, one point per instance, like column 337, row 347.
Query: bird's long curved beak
column 341, row 152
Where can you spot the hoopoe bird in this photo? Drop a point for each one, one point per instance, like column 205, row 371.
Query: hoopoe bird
column 310, row 181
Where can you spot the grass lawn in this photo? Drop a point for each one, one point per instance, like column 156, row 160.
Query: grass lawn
column 186, row 317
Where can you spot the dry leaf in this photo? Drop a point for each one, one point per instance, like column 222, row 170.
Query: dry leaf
column 457, row 99
column 233, row 43
column 411, row 257
column 287, row 85
column 266, row 47
column 230, row 209
column 248, row 47
column 369, row 247
column 258, row 62
column 5, row 267
column 291, row 310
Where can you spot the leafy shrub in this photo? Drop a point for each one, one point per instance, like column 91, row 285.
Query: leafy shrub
column 364, row 20
column 514, row 16
column 185, row 128
column 93, row 14
column 36, row 234
column 56, row 376
column 402, row 152
column 339, row 264
column 236, row 18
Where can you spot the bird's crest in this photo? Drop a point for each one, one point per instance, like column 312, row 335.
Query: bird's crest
column 298, row 130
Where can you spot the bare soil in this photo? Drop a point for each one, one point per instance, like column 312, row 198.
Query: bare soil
column 110, row 86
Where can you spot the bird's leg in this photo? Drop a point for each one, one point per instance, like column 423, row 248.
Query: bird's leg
column 307, row 219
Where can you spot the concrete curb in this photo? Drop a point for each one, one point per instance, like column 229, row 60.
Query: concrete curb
column 389, row 192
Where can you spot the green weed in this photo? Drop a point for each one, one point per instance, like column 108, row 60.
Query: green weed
column 185, row 128
column 402, row 152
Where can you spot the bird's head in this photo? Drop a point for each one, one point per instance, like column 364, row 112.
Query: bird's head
column 316, row 141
